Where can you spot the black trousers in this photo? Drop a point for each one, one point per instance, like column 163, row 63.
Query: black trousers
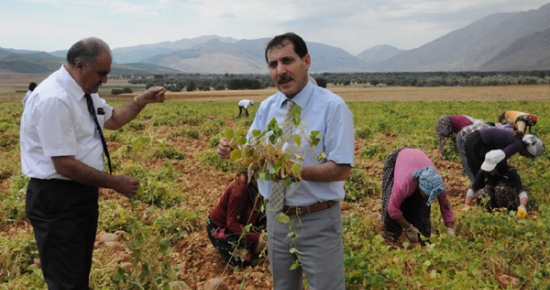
column 64, row 216
column 241, row 111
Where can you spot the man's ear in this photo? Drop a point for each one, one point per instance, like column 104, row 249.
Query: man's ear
column 80, row 66
column 307, row 60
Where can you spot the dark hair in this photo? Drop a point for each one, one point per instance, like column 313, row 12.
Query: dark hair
column 32, row 86
column 300, row 47
column 87, row 50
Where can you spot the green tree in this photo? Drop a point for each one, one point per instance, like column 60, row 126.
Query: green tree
column 322, row 82
column 374, row 81
column 191, row 86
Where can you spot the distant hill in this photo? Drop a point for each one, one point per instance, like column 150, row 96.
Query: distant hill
column 379, row 53
column 140, row 69
column 20, row 51
column 246, row 56
column 59, row 53
column 144, row 51
column 213, row 56
column 472, row 46
column 43, row 62
column 37, row 62
column 528, row 53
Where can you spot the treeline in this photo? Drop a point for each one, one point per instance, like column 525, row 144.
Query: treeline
column 206, row 82
column 436, row 79
column 193, row 82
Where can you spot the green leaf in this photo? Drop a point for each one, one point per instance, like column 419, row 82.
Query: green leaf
column 164, row 245
column 273, row 139
column 256, row 133
column 278, row 165
column 296, row 169
column 241, row 140
column 282, row 218
column 296, row 112
column 295, row 251
column 295, row 265
column 139, row 190
column 272, row 124
column 240, row 132
column 292, row 235
column 321, row 156
column 297, row 140
column 228, row 133
column 287, row 183
column 117, row 277
column 235, row 154
column 313, row 134
column 428, row 263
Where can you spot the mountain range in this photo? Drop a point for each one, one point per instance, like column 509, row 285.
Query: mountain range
column 499, row 42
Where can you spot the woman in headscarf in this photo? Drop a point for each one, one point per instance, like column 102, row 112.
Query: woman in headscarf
column 410, row 184
column 519, row 120
column 239, row 207
column 447, row 126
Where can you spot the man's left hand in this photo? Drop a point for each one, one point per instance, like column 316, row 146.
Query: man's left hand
column 152, row 95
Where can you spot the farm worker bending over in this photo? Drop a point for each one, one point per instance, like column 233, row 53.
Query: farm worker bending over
column 239, row 206
column 243, row 105
column 62, row 147
column 313, row 204
column 32, row 86
column 447, row 126
column 486, row 140
column 461, row 139
column 491, row 148
column 519, row 120
column 504, row 187
column 410, row 184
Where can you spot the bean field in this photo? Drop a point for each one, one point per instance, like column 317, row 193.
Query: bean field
column 171, row 148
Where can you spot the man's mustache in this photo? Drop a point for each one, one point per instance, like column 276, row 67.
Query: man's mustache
column 284, row 78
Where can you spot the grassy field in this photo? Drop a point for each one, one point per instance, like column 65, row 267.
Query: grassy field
column 170, row 147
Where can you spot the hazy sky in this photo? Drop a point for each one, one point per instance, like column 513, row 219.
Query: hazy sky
column 353, row 25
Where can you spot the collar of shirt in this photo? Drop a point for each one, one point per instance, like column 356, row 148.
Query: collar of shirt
column 71, row 86
column 301, row 99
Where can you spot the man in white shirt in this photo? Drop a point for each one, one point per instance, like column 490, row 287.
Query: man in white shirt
column 243, row 105
column 62, row 149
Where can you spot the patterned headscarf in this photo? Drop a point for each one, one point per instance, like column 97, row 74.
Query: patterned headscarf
column 430, row 182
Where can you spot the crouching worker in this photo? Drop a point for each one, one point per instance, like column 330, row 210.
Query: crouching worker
column 501, row 184
column 410, row 184
column 239, row 207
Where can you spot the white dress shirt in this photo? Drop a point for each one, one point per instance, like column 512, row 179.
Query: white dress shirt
column 56, row 122
column 326, row 112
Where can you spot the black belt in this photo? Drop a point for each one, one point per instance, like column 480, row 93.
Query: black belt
column 302, row 210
